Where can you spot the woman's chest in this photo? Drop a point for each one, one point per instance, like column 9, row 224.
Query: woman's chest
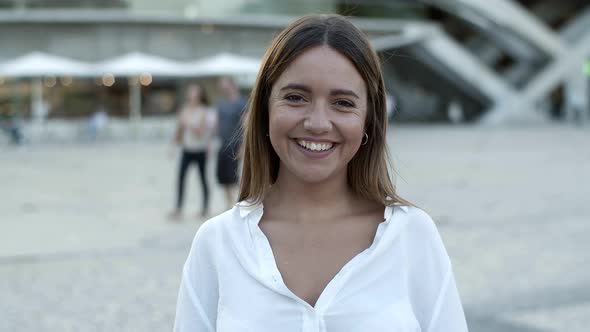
column 194, row 118
column 378, row 305
column 309, row 260
column 364, row 294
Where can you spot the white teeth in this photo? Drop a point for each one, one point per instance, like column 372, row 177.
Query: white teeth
column 315, row 146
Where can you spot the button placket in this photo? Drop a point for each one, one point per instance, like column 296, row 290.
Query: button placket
column 322, row 322
column 311, row 320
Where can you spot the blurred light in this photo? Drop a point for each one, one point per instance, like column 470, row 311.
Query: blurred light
column 587, row 68
column 50, row 81
column 108, row 79
column 98, row 81
column 145, row 79
column 133, row 80
column 207, row 28
column 66, row 80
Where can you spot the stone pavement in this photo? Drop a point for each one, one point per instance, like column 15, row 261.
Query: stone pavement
column 84, row 245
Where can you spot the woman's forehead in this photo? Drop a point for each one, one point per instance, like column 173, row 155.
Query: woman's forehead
column 322, row 67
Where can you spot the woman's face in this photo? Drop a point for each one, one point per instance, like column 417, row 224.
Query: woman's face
column 317, row 111
column 193, row 94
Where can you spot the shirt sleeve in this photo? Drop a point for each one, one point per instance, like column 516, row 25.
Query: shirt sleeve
column 448, row 312
column 433, row 290
column 196, row 308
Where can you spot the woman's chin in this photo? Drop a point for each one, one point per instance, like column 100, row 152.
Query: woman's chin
column 311, row 174
column 314, row 178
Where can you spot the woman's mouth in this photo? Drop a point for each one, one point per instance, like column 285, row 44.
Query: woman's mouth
column 315, row 146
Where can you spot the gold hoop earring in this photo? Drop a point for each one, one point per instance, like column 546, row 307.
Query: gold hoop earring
column 366, row 139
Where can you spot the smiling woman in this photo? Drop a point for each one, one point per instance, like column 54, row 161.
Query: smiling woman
column 317, row 112
column 319, row 240
column 331, row 49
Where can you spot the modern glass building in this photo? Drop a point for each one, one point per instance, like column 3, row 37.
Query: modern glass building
column 444, row 60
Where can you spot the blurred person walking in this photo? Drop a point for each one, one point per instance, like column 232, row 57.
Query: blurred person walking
column 97, row 123
column 10, row 123
column 229, row 114
column 195, row 128
column 39, row 114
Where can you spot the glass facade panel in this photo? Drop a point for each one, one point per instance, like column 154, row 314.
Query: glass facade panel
column 62, row 4
column 182, row 8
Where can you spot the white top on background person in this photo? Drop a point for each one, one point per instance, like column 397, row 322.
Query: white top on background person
column 320, row 240
column 196, row 121
column 199, row 129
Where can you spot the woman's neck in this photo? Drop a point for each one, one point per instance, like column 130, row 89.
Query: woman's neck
column 301, row 202
column 194, row 106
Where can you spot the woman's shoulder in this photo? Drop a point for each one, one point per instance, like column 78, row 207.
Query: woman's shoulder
column 422, row 236
column 181, row 113
column 220, row 222
column 419, row 226
column 225, row 236
column 416, row 218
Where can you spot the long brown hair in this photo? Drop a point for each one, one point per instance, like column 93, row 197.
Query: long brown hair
column 368, row 171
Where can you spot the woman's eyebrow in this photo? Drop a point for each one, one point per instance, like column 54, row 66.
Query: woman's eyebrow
column 296, row 86
column 334, row 92
column 338, row 92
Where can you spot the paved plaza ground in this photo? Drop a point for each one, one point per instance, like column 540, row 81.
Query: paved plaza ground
column 85, row 246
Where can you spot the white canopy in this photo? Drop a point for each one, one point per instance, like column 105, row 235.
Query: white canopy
column 136, row 63
column 222, row 64
column 37, row 64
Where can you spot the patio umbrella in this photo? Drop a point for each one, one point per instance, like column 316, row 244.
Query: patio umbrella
column 133, row 65
column 38, row 64
column 222, row 64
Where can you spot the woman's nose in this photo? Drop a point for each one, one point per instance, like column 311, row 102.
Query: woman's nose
column 317, row 119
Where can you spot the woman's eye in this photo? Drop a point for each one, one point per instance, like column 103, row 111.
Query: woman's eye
column 294, row 98
column 344, row 103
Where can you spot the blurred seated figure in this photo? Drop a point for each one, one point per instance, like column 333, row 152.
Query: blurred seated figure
column 11, row 125
column 97, row 122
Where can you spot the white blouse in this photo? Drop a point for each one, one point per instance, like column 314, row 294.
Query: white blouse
column 403, row 282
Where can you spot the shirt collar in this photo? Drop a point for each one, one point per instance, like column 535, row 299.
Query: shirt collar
column 246, row 208
column 402, row 207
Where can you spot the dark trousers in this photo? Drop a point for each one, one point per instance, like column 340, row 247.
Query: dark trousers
column 200, row 158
